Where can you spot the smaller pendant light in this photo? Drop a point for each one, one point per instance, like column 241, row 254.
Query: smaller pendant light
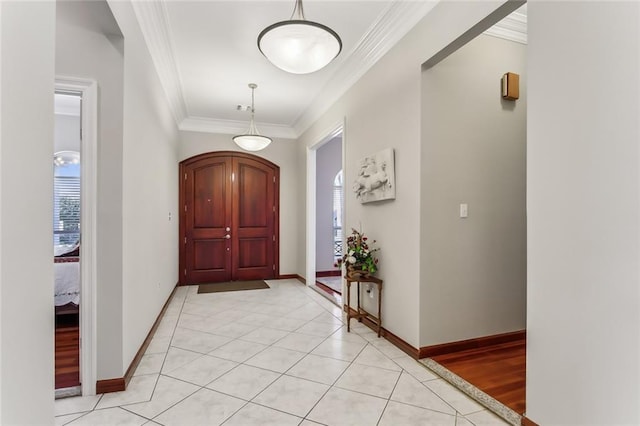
column 299, row 46
column 252, row 140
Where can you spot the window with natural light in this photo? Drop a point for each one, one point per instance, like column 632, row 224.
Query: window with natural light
column 337, row 215
column 66, row 199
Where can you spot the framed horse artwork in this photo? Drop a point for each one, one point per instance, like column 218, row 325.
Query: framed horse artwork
column 376, row 177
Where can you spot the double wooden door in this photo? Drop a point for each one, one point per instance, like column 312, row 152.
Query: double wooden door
column 229, row 218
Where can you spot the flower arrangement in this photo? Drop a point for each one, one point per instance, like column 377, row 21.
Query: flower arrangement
column 358, row 254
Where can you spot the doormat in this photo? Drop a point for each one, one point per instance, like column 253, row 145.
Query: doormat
column 232, row 286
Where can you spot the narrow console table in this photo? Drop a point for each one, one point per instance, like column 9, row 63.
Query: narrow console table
column 361, row 313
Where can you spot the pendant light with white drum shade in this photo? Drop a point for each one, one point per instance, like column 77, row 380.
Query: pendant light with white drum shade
column 299, row 46
column 252, row 140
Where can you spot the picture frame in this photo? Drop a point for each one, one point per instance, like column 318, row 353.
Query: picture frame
column 375, row 180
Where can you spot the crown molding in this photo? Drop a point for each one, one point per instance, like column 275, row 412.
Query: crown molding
column 235, row 127
column 392, row 24
column 154, row 24
column 513, row 28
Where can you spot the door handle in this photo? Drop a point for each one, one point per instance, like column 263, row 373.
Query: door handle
column 228, row 229
column 227, row 236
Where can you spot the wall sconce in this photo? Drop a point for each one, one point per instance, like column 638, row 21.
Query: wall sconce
column 510, row 86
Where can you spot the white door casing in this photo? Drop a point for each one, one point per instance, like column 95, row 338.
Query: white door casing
column 88, row 90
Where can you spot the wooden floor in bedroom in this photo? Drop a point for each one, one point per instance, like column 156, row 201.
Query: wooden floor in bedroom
column 67, row 362
column 498, row 370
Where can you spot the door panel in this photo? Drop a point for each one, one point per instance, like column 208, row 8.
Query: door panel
column 229, row 224
column 208, row 214
column 253, row 204
column 210, row 255
column 253, row 253
column 253, row 236
column 209, row 198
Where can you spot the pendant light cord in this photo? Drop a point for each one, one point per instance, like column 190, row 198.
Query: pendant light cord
column 298, row 8
column 252, row 124
column 253, row 89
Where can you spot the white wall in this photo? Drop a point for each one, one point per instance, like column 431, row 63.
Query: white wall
column 84, row 50
column 27, row 34
column 150, row 190
column 137, row 174
column 383, row 110
column 473, row 152
column 583, row 322
column 283, row 153
column 328, row 164
column 300, row 158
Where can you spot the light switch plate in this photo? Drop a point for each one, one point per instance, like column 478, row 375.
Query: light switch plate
column 464, row 210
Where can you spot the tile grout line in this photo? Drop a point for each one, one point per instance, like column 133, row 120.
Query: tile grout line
column 170, row 340
column 403, row 370
column 305, row 354
column 389, row 399
column 160, row 374
column 79, row 417
column 282, row 374
column 205, row 386
column 336, row 381
column 93, row 407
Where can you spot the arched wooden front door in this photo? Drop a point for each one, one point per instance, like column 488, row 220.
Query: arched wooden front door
column 228, row 218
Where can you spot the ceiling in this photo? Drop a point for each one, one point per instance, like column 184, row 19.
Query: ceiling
column 206, row 54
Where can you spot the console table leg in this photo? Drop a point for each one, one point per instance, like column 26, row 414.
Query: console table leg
column 348, row 306
column 359, row 317
column 379, row 309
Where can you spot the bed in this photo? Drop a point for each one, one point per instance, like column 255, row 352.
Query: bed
column 67, row 279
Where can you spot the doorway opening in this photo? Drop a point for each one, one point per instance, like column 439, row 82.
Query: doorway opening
column 326, row 202
column 73, row 231
column 329, row 206
column 66, row 241
column 476, row 211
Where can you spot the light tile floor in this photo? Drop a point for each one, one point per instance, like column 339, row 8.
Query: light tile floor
column 281, row 357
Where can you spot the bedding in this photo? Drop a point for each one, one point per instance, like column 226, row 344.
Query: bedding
column 66, row 250
column 67, row 275
column 67, row 280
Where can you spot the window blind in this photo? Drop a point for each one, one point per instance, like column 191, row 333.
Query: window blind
column 66, row 209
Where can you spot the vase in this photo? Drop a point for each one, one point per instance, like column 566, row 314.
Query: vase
column 355, row 271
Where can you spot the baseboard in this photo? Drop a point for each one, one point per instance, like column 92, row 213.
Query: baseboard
column 527, row 422
column 392, row 338
column 287, row 277
column 136, row 359
column 121, row 383
column 292, row 277
column 110, row 385
column 327, row 288
column 334, row 273
column 476, row 343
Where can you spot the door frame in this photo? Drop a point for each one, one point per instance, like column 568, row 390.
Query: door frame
column 337, row 128
column 182, row 260
column 88, row 91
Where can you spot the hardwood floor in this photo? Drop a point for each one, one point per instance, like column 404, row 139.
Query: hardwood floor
column 499, row 371
column 67, row 353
